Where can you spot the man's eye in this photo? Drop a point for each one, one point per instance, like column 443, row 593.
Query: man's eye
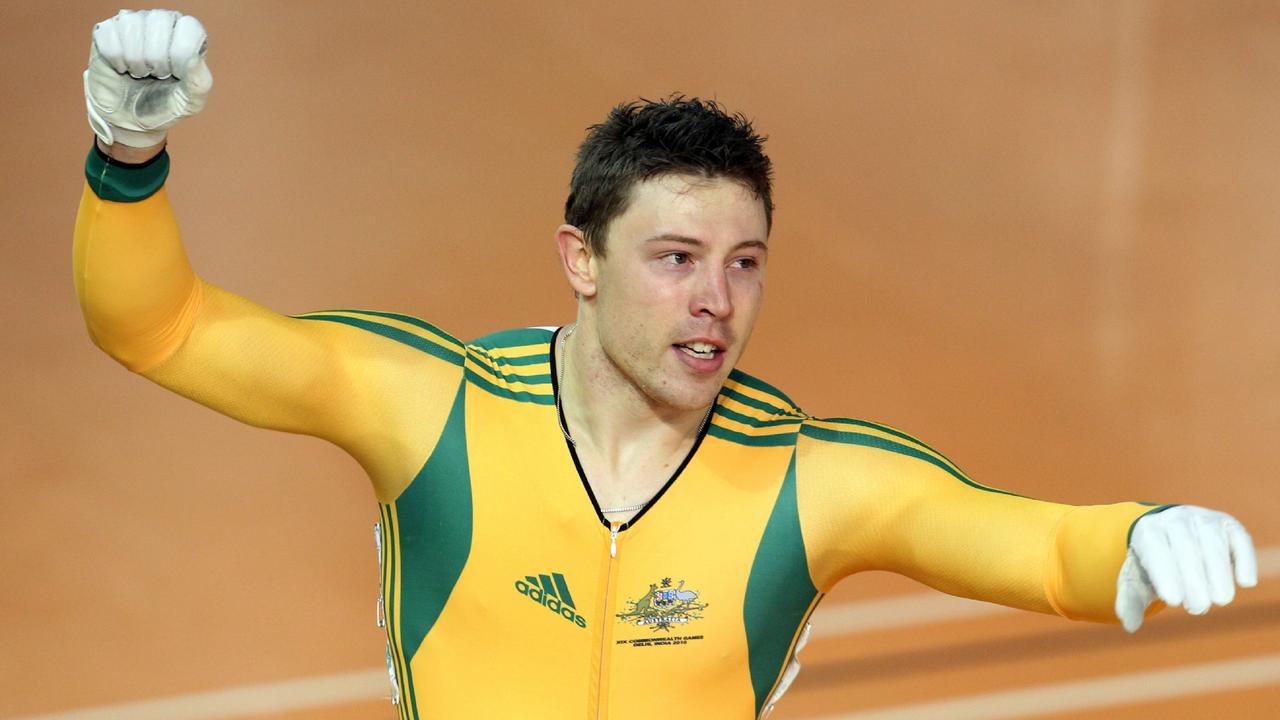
column 746, row 263
column 677, row 258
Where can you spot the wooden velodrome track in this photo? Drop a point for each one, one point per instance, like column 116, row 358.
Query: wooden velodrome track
column 1041, row 236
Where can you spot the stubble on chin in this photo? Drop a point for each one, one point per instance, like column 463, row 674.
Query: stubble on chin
column 688, row 394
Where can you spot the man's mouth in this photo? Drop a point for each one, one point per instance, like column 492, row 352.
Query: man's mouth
column 700, row 350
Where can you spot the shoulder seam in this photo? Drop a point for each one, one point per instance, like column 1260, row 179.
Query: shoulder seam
column 863, row 439
column 450, row 351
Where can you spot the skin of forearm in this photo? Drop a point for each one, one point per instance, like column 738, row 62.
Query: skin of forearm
column 132, row 155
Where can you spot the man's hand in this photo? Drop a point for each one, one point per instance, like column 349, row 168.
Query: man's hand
column 146, row 72
column 1184, row 556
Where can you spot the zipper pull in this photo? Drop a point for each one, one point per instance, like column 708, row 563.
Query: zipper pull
column 613, row 540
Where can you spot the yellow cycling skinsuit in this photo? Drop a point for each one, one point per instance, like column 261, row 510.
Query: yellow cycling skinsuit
column 505, row 592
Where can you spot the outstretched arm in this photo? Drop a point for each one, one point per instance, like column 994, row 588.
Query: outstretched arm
column 872, row 498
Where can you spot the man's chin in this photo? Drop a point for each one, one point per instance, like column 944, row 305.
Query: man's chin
column 683, row 391
column 698, row 396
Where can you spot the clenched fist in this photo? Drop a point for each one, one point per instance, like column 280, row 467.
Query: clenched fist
column 1187, row 555
column 146, row 72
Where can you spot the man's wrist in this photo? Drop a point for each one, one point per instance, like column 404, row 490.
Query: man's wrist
column 119, row 180
column 129, row 155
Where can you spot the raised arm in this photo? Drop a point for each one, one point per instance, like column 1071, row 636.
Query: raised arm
column 325, row 375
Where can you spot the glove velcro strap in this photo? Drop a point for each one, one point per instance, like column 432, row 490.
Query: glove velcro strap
column 125, row 182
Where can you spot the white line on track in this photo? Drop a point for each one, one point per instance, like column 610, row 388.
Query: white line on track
column 843, row 619
column 897, row 611
column 290, row 695
column 1089, row 694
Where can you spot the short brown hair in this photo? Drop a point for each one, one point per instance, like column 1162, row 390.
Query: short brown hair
column 643, row 139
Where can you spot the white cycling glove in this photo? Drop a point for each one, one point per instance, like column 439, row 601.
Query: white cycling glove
column 1186, row 556
column 146, row 72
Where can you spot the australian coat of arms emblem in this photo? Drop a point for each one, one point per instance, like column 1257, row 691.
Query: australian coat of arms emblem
column 663, row 607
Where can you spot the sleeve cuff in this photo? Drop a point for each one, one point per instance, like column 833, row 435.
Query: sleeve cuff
column 1086, row 559
column 125, row 182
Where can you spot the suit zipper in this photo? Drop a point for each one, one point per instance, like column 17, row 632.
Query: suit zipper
column 604, row 619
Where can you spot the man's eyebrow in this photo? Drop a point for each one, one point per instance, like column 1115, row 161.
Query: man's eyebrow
column 686, row 240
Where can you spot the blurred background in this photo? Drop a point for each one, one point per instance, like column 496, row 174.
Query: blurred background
column 1042, row 236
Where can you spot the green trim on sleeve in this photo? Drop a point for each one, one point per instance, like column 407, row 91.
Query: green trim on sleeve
column 125, row 182
column 1128, row 539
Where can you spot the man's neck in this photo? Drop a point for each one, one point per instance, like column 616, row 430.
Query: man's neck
column 612, row 419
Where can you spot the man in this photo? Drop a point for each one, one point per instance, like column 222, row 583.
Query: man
column 606, row 518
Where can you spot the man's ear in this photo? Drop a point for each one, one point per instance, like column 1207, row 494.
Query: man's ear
column 575, row 259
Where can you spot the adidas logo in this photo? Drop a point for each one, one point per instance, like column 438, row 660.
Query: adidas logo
column 552, row 593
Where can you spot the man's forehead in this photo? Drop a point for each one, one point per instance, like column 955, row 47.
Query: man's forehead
column 686, row 184
column 677, row 205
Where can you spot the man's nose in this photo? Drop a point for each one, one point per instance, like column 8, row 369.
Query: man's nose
column 712, row 296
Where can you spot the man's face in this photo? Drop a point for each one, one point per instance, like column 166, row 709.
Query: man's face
column 679, row 289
